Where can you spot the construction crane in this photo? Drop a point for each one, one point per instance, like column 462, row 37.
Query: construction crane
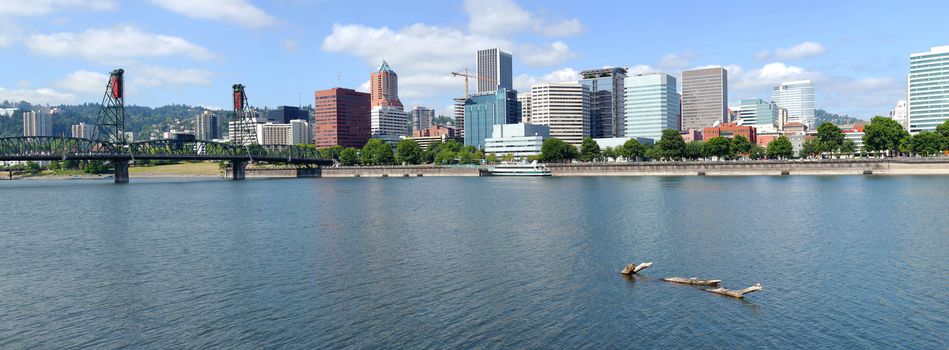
column 466, row 75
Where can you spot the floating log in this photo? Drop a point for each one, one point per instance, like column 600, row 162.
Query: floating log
column 631, row 269
column 692, row 280
column 735, row 293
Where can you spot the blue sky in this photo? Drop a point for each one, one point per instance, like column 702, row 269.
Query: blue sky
column 192, row 51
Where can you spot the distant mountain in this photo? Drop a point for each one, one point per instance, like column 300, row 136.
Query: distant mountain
column 822, row 116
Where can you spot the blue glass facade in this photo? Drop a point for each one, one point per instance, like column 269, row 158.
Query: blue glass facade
column 483, row 111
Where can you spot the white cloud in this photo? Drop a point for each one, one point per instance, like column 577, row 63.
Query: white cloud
column 768, row 75
column 799, row 51
column 676, row 61
column 25, row 8
column 556, row 53
column 83, row 82
column 523, row 82
column 505, row 17
column 641, row 69
column 290, row 45
column 239, row 11
column 114, row 45
column 563, row 28
column 37, row 96
column 154, row 76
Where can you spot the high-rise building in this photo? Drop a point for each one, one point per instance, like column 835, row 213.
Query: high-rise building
column 798, row 98
column 495, row 70
column 458, row 108
column 389, row 120
column 273, row 134
column 928, row 89
column 757, row 112
column 299, row 133
column 524, row 101
column 704, row 97
column 421, row 117
column 384, row 86
column 606, row 101
column 565, row 107
column 284, row 114
column 900, row 114
column 342, row 118
column 484, row 110
column 82, row 130
column 652, row 105
column 206, row 126
column 37, row 123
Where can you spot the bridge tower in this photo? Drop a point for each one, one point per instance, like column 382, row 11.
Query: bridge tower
column 110, row 125
column 245, row 127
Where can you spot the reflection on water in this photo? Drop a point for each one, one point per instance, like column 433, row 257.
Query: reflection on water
column 846, row 262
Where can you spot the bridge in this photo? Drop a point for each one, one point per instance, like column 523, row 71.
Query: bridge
column 110, row 144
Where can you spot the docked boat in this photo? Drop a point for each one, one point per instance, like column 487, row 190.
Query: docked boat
column 692, row 280
column 520, row 169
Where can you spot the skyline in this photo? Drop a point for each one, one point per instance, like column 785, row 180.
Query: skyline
column 191, row 52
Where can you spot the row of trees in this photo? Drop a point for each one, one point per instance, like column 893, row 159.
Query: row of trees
column 671, row 146
column 378, row 152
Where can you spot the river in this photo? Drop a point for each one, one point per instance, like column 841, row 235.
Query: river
column 845, row 262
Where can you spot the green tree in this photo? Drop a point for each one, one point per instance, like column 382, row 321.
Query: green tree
column 829, row 138
column 926, row 143
column 757, row 152
column 491, row 158
column 633, row 150
column 883, row 135
column 741, row 145
column 609, row 152
column 650, row 151
column 466, row 157
column 849, row 147
column 508, row 157
column 781, row 148
column 377, row 152
column 408, row 152
column 445, row 156
column 349, row 157
column 810, row 148
column 431, row 151
column 589, row 150
column 695, row 150
column 31, row 167
column 720, row 147
column 329, row 152
column 671, row 145
column 554, row 150
column 943, row 131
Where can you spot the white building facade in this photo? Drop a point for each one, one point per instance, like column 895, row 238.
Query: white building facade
column 900, row 114
column 565, row 108
column 520, row 140
column 798, row 98
column 524, row 100
column 299, row 133
column 389, row 120
column 928, row 89
column 82, row 130
column 37, row 123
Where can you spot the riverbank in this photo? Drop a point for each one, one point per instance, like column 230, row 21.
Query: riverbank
column 935, row 166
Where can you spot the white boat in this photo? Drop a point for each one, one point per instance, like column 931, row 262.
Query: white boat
column 520, row 169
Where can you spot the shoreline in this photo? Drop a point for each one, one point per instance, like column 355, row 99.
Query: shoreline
column 836, row 167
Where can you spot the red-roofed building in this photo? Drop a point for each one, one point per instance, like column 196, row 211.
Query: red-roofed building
column 729, row 130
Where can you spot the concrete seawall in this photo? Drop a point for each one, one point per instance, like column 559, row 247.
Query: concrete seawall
column 752, row 168
column 400, row 171
column 939, row 166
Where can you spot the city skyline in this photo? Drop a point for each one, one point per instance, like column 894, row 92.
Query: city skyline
column 190, row 52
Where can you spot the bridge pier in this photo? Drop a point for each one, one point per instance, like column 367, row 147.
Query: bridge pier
column 238, row 169
column 121, row 171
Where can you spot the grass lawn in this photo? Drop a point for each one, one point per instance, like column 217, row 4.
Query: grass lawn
column 183, row 169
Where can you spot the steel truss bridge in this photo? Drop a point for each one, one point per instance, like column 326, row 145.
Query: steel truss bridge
column 111, row 126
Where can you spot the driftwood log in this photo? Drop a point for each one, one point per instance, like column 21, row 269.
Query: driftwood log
column 735, row 293
column 631, row 269
column 692, row 280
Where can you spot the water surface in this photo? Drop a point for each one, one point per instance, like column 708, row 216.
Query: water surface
column 846, row 262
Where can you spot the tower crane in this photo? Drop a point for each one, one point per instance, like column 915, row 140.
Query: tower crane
column 466, row 75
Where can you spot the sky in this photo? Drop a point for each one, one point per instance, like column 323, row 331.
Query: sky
column 192, row 51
